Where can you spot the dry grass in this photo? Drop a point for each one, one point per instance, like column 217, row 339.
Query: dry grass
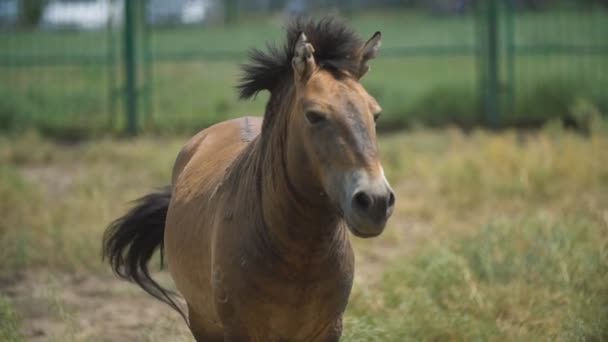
column 496, row 237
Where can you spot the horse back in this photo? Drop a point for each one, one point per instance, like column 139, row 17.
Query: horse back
column 229, row 137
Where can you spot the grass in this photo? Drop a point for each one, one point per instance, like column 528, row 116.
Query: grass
column 10, row 328
column 496, row 236
column 521, row 279
column 191, row 86
column 84, row 180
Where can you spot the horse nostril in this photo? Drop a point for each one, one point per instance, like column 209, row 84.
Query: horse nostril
column 362, row 200
column 391, row 200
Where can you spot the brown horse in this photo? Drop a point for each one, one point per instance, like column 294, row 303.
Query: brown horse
column 255, row 224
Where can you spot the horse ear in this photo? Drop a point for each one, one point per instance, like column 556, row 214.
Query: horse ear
column 303, row 60
column 369, row 51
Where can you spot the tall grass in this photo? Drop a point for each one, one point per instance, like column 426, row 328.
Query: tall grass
column 523, row 279
column 57, row 199
column 501, row 238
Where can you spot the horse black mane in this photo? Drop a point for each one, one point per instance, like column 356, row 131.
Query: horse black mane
column 335, row 47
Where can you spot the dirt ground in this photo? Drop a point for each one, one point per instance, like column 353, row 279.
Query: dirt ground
column 90, row 307
column 60, row 307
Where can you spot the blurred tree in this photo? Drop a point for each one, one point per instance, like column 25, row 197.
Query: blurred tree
column 277, row 5
column 449, row 6
column 539, row 5
column 603, row 3
column 30, row 12
column 534, row 5
column 230, row 11
column 347, row 7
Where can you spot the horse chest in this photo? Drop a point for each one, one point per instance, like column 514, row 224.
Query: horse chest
column 281, row 302
column 303, row 321
column 297, row 311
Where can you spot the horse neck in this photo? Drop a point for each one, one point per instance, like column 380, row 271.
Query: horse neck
column 298, row 217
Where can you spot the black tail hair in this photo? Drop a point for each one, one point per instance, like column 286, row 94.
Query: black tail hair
column 130, row 241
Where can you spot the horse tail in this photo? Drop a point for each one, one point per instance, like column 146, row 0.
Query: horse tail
column 130, row 242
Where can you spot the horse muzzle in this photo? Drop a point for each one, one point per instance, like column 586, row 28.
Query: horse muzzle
column 367, row 203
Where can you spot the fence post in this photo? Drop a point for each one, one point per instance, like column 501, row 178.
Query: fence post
column 148, row 81
column 111, row 69
column 492, row 106
column 510, row 54
column 230, row 11
column 130, row 67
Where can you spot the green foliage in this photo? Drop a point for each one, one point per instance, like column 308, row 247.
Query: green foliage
column 447, row 105
column 550, row 98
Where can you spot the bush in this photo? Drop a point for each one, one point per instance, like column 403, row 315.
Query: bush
column 447, row 105
column 569, row 103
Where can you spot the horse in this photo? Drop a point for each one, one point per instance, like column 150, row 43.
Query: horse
column 255, row 224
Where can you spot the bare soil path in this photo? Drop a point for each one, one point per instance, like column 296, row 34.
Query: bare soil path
column 70, row 307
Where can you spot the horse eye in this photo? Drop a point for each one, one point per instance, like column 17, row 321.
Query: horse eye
column 315, row 118
column 376, row 116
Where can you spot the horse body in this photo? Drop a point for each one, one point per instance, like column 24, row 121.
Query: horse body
column 256, row 223
column 284, row 285
column 192, row 221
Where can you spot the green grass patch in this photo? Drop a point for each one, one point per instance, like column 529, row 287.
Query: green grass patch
column 9, row 323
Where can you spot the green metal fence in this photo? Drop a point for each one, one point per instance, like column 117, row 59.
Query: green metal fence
column 492, row 62
column 547, row 59
column 61, row 82
column 564, row 61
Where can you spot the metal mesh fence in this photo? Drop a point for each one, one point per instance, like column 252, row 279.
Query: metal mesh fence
column 71, row 68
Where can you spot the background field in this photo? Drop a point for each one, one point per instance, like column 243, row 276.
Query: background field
column 427, row 73
column 495, row 237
